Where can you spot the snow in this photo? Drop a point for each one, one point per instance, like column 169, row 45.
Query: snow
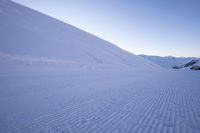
column 184, row 63
column 193, row 64
column 56, row 78
column 168, row 61
column 27, row 32
column 50, row 99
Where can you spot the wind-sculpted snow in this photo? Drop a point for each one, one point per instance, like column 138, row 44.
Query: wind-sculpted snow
column 47, row 100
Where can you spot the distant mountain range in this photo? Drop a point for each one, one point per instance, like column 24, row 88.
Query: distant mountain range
column 175, row 62
column 193, row 64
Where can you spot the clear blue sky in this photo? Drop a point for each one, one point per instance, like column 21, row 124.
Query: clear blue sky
column 155, row 27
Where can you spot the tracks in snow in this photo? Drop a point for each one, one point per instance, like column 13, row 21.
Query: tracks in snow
column 144, row 111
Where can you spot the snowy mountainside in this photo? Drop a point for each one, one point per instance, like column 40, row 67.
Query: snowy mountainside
column 25, row 31
column 193, row 64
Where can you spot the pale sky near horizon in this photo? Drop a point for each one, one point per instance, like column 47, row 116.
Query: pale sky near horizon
column 152, row 27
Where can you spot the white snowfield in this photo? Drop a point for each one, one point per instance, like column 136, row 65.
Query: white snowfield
column 48, row 99
column 55, row 78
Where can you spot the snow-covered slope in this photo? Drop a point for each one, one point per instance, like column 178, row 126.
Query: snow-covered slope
column 28, row 32
column 166, row 62
column 39, row 94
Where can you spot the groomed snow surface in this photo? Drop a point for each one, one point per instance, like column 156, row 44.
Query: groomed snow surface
column 44, row 98
column 55, row 78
